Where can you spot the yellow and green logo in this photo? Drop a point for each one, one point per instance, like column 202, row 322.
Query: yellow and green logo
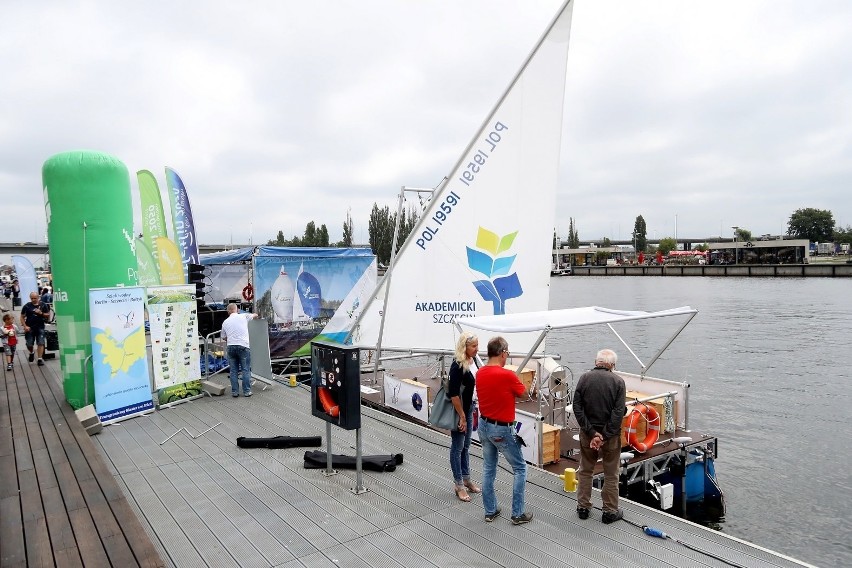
column 488, row 259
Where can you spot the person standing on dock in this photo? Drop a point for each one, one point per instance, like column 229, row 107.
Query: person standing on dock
column 599, row 406
column 34, row 315
column 235, row 332
column 496, row 389
column 460, row 390
column 9, row 334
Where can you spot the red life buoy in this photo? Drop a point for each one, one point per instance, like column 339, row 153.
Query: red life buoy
column 327, row 401
column 652, row 434
column 248, row 293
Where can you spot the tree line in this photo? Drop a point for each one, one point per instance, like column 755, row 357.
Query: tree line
column 380, row 229
column 815, row 225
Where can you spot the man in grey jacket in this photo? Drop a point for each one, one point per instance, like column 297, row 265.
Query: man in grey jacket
column 599, row 408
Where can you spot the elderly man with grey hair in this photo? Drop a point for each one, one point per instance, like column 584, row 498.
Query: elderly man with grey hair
column 599, row 406
column 235, row 331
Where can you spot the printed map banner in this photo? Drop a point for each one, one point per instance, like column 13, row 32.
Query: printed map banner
column 172, row 313
column 119, row 358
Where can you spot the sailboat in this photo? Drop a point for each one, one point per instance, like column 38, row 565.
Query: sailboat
column 299, row 315
column 282, row 298
column 479, row 257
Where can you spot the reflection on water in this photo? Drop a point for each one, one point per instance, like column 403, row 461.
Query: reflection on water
column 768, row 364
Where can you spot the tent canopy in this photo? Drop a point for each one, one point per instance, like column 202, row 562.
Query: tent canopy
column 226, row 256
column 560, row 319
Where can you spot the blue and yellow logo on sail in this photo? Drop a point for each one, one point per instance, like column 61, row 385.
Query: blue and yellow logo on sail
column 498, row 285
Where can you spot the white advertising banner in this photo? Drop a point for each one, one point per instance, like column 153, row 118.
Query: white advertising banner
column 526, row 426
column 173, row 315
column 407, row 396
column 119, row 358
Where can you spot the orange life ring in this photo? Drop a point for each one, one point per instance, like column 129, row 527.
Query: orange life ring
column 248, row 293
column 652, row 433
column 327, row 402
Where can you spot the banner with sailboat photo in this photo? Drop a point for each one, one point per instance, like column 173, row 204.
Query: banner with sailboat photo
column 310, row 293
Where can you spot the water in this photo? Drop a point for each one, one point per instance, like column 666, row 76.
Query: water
column 768, row 361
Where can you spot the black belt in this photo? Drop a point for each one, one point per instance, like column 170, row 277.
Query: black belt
column 497, row 422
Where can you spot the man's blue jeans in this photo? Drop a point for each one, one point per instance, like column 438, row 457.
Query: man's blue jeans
column 460, row 452
column 239, row 359
column 496, row 438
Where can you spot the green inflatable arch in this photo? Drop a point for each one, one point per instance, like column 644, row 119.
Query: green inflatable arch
column 89, row 214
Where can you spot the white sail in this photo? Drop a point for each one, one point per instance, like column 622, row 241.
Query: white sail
column 299, row 315
column 483, row 245
column 282, row 298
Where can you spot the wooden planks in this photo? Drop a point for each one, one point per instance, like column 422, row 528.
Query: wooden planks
column 59, row 504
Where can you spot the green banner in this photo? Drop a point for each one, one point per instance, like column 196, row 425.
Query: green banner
column 153, row 218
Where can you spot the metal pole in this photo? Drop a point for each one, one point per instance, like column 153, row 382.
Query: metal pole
column 328, row 470
column 359, row 484
column 683, row 484
column 388, row 276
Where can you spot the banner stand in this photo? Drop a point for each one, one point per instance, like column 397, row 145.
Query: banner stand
column 87, row 415
column 119, row 355
column 181, row 401
column 176, row 364
column 261, row 361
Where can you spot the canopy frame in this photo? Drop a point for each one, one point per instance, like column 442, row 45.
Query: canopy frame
column 547, row 321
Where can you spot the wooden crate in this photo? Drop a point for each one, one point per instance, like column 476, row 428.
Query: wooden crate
column 659, row 405
column 550, row 443
column 526, row 375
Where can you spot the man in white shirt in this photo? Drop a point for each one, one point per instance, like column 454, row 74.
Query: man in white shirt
column 235, row 331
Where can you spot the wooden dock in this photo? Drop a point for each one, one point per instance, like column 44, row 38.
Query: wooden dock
column 203, row 501
column 59, row 505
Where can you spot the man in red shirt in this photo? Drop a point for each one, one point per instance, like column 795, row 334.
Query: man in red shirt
column 496, row 389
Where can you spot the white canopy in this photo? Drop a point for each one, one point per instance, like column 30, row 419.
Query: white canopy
column 559, row 319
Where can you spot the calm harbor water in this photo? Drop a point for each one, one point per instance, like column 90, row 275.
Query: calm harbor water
column 768, row 361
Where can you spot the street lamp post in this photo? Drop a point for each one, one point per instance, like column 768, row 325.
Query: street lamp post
column 635, row 252
column 736, row 259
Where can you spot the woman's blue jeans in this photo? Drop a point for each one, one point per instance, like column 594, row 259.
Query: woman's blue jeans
column 239, row 359
column 501, row 439
column 460, row 451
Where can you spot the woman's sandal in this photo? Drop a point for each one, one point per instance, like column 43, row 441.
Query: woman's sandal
column 461, row 493
column 472, row 487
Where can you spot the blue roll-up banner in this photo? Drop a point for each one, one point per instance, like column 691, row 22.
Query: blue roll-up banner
column 119, row 358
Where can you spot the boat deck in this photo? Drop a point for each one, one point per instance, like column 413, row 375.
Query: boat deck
column 569, row 454
column 207, row 502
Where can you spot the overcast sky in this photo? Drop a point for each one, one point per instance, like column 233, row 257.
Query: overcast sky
column 697, row 115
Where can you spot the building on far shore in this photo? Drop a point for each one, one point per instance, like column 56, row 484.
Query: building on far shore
column 778, row 251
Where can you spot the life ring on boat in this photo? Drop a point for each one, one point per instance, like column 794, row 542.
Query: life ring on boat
column 327, row 401
column 248, row 293
column 650, row 415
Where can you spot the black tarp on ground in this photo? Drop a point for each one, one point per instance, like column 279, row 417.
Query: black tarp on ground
column 317, row 460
